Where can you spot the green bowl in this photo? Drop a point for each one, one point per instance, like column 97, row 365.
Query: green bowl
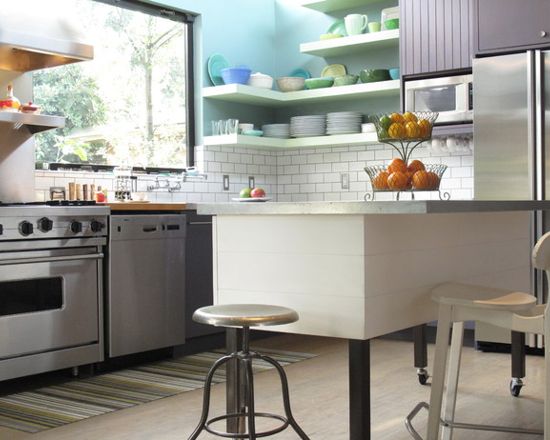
column 374, row 75
column 319, row 83
column 392, row 23
column 345, row 80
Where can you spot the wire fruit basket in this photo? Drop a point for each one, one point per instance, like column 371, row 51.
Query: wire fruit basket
column 405, row 132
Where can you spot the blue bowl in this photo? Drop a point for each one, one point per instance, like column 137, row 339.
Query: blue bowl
column 394, row 73
column 236, row 75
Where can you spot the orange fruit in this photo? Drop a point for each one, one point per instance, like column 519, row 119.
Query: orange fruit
column 434, row 180
column 380, row 181
column 410, row 117
column 397, row 131
column 410, row 175
column 397, row 164
column 421, row 180
column 415, row 166
column 412, row 130
column 425, row 128
column 398, row 180
column 397, row 117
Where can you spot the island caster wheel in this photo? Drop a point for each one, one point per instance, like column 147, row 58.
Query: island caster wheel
column 422, row 376
column 515, row 386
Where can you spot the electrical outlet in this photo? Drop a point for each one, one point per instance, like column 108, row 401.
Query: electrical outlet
column 251, row 182
column 344, row 180
column 226, row 182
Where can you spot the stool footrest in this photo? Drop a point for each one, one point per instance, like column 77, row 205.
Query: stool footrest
column 457, row 425
column 245, row 415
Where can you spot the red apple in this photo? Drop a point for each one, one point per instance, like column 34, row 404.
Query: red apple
column 257, row 192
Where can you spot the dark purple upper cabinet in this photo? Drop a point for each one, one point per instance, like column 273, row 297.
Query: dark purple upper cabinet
column 510, row 25
column 435, row 35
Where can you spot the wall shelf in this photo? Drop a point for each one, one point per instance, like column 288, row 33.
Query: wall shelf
column 353, row 44
column 33, row 122
column 333, row 5
column 239, row 93
column 274, row 143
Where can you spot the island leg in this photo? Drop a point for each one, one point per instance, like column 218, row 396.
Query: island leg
column 359, row 389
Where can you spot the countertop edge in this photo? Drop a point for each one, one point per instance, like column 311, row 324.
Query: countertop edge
column 367, row 208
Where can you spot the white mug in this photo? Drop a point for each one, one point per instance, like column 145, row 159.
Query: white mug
column 355, row 23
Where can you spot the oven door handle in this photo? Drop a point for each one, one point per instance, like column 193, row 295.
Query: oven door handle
column 97, row 256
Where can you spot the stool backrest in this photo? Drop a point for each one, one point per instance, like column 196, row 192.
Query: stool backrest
column 541, row 260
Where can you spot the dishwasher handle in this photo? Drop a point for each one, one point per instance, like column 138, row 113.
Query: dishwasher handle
column 149, row 228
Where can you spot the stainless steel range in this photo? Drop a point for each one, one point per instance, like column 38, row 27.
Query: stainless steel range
column 51, row 294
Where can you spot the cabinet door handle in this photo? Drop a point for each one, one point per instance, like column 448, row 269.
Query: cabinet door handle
column 543, row 34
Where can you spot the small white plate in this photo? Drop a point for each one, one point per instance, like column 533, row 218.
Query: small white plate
column 251, row 199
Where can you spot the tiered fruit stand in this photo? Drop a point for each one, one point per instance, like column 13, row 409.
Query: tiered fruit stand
column 405, row 133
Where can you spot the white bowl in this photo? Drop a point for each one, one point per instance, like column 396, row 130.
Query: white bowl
column 246, row 127
column 260, row 80
column 291, row 83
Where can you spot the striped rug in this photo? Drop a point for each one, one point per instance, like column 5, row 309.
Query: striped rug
column 78, row 399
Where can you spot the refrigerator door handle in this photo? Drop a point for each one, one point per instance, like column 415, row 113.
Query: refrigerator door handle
column 539, row 121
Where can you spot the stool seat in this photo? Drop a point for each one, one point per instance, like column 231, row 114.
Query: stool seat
column 481, row 297
column 244, row 315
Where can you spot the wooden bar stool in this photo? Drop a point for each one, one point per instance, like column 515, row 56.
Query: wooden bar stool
column 515, row 311
column 246, row 316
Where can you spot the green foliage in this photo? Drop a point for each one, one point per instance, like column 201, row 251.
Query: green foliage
column 67, row 91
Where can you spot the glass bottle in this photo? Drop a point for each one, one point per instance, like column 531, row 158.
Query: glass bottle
column 10, row 103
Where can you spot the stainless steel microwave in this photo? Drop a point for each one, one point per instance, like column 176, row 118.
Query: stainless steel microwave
column 450, row 96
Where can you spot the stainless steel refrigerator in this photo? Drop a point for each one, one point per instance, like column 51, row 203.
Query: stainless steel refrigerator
column 512, row 144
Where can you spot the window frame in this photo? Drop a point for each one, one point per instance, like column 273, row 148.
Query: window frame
column 188, row 19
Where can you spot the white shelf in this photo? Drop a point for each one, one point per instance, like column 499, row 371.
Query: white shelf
column 34, row 123
column 318, row 141
column 352, row 44
column 333, row 5
column 239, row 93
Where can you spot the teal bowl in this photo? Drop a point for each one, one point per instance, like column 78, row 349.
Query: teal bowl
column 374, row 75
column 319, row 83
column 392, row 23
column 394, row 73
column 345, row 80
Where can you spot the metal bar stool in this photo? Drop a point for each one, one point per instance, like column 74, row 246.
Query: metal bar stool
column 515, row 311
column 245, row 316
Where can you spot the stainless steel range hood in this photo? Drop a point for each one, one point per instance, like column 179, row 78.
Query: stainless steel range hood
column 32, row 39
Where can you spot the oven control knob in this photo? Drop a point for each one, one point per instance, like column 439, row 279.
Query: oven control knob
column 96, row 226
column 45, row 224
column 76, row 227
column 26, row 228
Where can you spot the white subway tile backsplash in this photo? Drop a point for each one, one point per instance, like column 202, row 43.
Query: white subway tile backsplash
column 338, row 167
column 307, row 168
column 383, row 154
column 350, row 156
column 299, row 178
column 315, row 197
column 323, row 168
column 315, row 158
column 365, row 155
column 315, row 178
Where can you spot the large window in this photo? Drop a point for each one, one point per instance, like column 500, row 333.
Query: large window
column 130, row 105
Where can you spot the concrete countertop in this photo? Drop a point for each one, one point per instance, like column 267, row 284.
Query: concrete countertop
column 362, row 208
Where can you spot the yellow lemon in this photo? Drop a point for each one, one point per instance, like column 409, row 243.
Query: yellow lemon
column 396, row 131
column 412, row 129
column 425, row 128
column 409, row 117
column 397, row 117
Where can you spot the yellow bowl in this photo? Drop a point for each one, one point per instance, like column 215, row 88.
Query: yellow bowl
column 330, row 36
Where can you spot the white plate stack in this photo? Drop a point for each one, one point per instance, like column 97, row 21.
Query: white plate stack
column 281, row 131
column 307, row 126
column 344, row 122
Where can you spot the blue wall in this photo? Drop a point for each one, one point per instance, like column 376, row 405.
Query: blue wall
column 266, row 35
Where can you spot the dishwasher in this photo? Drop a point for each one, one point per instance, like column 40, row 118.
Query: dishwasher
column 146, row 283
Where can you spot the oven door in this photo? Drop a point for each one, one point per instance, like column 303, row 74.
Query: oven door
column 49, row 299
column 450, row 96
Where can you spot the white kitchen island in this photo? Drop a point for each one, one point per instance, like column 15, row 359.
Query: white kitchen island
column 358, row 270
